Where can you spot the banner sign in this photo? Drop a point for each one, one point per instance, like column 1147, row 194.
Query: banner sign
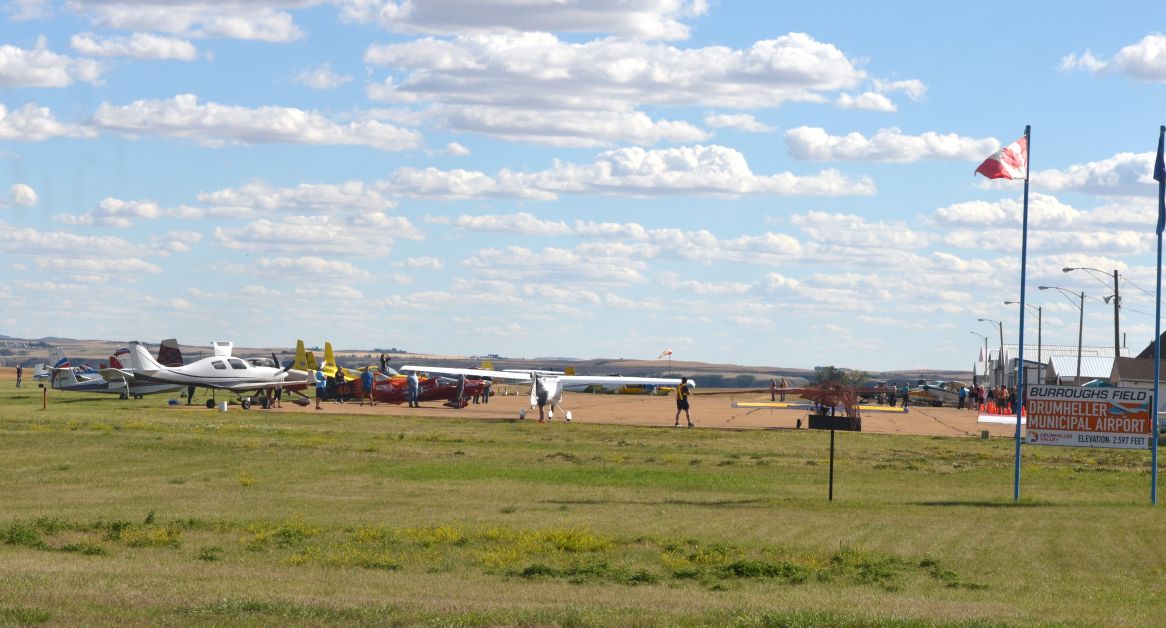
column 1072, row 416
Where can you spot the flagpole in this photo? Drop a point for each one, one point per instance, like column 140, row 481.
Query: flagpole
column 1160, row 175
column 1020, row 351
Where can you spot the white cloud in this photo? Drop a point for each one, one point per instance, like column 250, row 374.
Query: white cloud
column 211, row 124
column 31, row 123
column 870, row 101
column 321, row 77
column 534, row 87
column 1122, row 174
column 41, row 67
column 430, row 263
column 1145, row 60
column 854, row 231
column 712, row 170
column 571, row 128
column 303, row 198
column 317, row 235
column 34, row 244
column 113, row 212
column 913, row 88
column 452, row 149
column 672, row 281
column 740, row 121
column 553, row 265
column 262, row 20
column 887, row 145
column 461, row 184
column 307, row 265
column 521, row 222
column 20, row 10
column 137, row 46
column 22, row 195
column 638, row 19
column 1044, row 211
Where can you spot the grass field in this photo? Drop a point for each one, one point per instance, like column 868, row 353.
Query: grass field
column 118, row 512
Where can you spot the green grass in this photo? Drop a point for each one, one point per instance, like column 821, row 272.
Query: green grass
column 118, row 512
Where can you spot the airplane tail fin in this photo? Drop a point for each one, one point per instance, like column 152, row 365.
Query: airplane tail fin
column 141, row 360
column 117, row 357
column 62, row 370
column 487, row 365
column 570, row 370
column 301, row 361
column 223, row 348
column 169, row 354
column 329, row 358
column 312, row 364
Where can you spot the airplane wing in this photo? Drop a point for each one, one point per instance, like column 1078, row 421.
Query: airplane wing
column 619, row 380
column 113, row 375
column 445, row 370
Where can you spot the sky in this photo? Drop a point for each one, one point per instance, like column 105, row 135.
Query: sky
column 762, row 183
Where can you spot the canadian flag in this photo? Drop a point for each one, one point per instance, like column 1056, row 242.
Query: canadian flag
column 1009, row 162
column 664, row 353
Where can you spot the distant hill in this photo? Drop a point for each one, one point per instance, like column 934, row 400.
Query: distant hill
column 706, row 375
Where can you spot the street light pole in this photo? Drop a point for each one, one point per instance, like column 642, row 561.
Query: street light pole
column 1039, row 317
column 1000, row 358
column 985, row 350
column 1080, row 321
column 1116, row 305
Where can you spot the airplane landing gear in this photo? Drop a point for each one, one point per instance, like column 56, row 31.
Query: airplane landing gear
column 246, row 403
column 210, row 404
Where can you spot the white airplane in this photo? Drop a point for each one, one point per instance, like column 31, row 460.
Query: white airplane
column 548, row 386
column 220, row 371
column 121, row 382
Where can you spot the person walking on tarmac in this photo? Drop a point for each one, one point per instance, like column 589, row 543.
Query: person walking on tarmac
column 366, row 386
column 682, row 403
column 321, row 386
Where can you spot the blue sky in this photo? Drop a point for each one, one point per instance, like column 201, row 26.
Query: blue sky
column 749, row 183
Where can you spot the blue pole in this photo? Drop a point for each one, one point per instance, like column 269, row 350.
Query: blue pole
column 1161, row 176
column 1020, row 351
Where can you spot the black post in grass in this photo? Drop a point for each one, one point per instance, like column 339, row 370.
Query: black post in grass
column 832, row 423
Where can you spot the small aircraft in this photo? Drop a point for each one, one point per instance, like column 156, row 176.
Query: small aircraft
column 549, row 384
column 220, row 371
column 119, row 380
column 936, row 393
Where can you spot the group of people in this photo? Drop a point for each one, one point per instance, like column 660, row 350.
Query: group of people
column 993, row 399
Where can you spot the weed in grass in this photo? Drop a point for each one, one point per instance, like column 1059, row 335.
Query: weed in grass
column 273, row 609
column 210, row 554
column 508, row 510
column 23, row 616
column 84, row 548
column 21, row 534
column 245, row 479
column 284, row 535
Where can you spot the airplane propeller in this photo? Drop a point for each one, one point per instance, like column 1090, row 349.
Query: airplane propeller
column 276, row 361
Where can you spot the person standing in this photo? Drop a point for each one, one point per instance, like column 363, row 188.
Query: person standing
column 963, row 397
column 904, row 392
column 682, row 403
column 772, row 389
column 486, row 390
column 279, row 396
column 19, row 375
column 541, row 396
column 321, row 386
column 339, row 384
column 384, row 364
column 783, row 386
column 366, row 387
column 414, row 387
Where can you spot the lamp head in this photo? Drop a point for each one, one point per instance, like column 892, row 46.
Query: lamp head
column 1042, row 287
column 1067, row 269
